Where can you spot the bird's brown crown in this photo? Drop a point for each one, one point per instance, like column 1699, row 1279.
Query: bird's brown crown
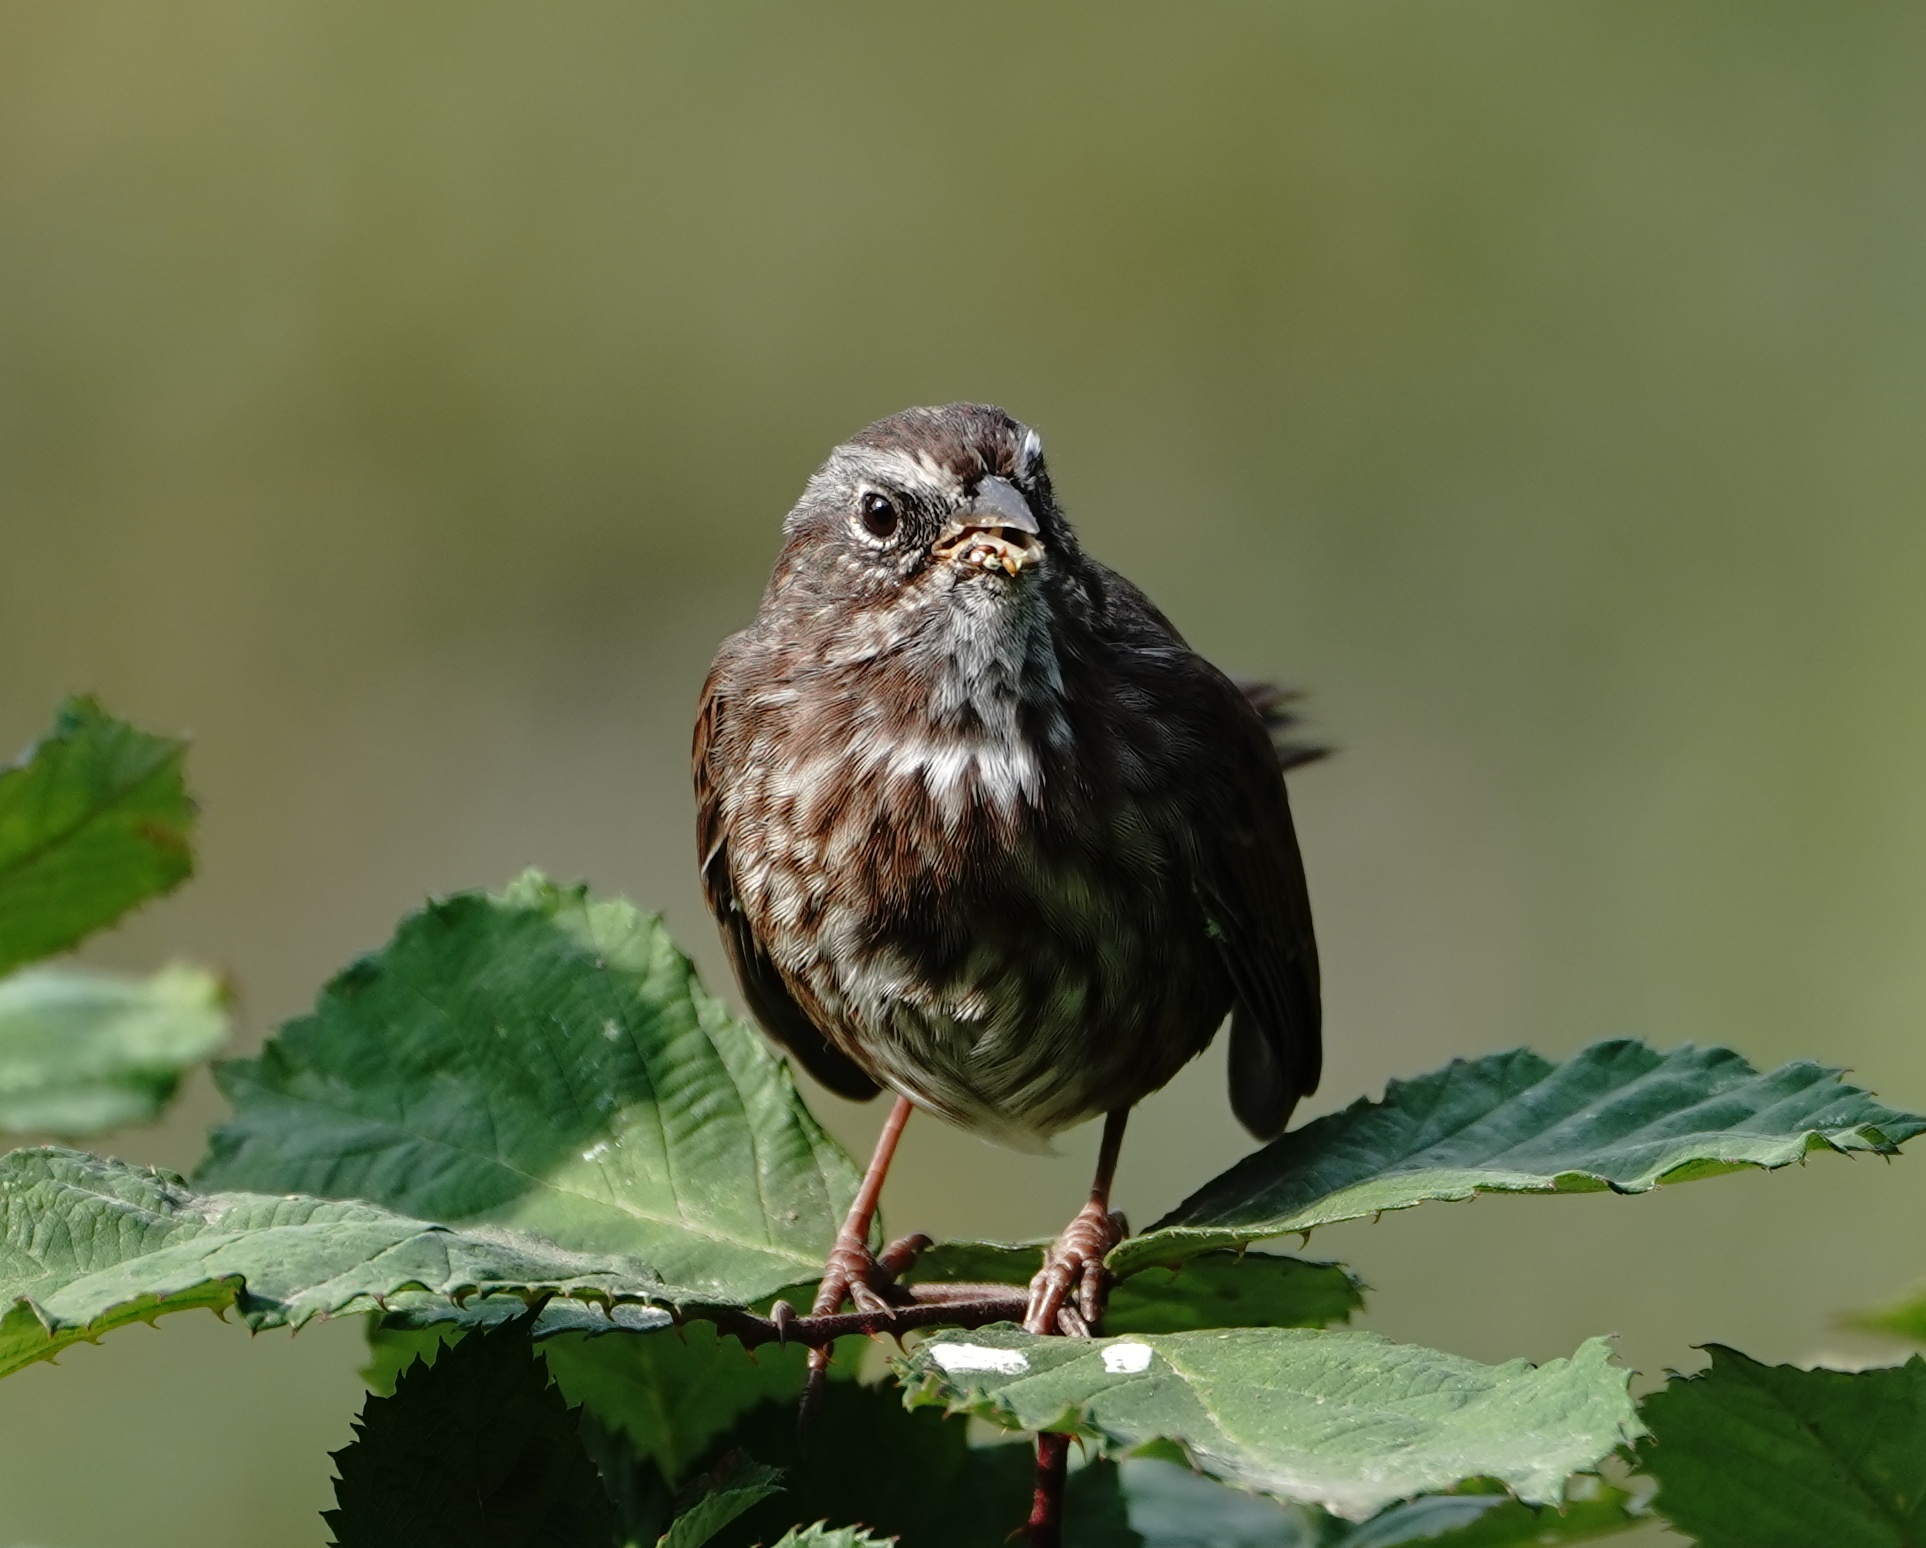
column 968, row 441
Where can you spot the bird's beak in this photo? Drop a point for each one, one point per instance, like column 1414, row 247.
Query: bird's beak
column 994, row 531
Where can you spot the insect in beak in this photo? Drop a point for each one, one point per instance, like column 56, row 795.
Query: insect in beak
column 993, row 531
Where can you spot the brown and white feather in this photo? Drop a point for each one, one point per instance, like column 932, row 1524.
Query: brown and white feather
column 1001, row 843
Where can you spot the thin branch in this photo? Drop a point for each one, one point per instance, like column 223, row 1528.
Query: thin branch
column 950, row 1305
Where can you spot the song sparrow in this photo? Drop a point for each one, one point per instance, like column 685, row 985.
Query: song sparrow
column 980, row 828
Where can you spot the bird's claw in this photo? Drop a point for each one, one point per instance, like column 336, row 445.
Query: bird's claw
column 1075, row 1262
column 868, row 1281
column 900, row 1256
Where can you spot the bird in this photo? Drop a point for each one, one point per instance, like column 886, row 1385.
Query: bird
column 980, row 829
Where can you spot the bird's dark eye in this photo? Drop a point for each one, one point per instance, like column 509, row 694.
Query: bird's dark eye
column 879, row 515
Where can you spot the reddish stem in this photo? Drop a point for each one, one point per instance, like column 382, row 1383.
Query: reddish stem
column 1045, row 1527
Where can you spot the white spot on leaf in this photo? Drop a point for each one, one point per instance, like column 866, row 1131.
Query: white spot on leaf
column 976, row 1357
column 1126, row 1359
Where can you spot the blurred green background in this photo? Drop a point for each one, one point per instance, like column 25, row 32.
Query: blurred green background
column 403, row 398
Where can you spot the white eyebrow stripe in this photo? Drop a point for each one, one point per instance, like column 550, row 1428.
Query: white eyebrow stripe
column 911, row 470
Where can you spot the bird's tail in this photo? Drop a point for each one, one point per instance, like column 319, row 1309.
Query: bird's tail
column 1275, row 707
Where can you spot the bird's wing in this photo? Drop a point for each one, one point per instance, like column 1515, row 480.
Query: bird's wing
column 1251, row 886
column 769, row 998
column 1249, row 876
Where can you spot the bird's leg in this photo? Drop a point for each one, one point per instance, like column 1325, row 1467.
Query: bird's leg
column 1075, row 1260
column 852, row 1270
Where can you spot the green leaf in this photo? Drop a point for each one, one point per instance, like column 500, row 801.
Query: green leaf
column 418, row 1312
column 1232, row 1290
column 1593, row 1509
column 391, row 1350
column 89, row 1245
column 823, row 1535
column 1212, row 1290
column 1173, row 1507
column 1346, row 1421
column 81, row 1052
column 645, row 1504
column 93, row 821
column 1617, row 1115
column 1905, row 1318
column 477, row 1450
column 871, row 1460
column 744, row 1485
column 1770, row 1456
column 543, row 1061
column 1096, row 1513
column 993, row 1263
column 672, row 1396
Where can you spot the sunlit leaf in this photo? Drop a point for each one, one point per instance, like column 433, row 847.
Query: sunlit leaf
column 548, row 1062
column 88, row 1245
column 93, row 821
column 477, row 1450
column 1770, row 1456
column 1617, row 1116
column 82, row 1052
column 822, row 1535
column 1346, row 1421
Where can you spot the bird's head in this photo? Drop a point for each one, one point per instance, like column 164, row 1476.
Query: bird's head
column 931, row 513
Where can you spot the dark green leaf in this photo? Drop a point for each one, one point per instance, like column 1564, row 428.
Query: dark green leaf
column 1229, row 1290
column 547, row 1062
column 1616, row 1116
column 1096, row 1513
column 872, row 1461
column 1346, row 1421
column 672, row 1395
column 477, row 1450
column 745, row 1484
column 391, row 1350
column 82, row 1052
column 643, row 1499
column 1593, row 1509
column 1771, row 1456
column 93, row 821
column 88, row 1245
column 1173, row 1507
column 994, row 1263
